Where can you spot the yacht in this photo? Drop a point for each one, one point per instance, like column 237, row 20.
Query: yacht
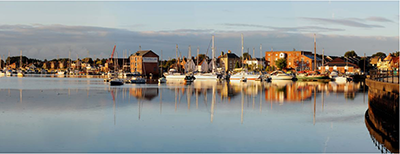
column 162, row 80
column 280, row 75
column 174, row 75
column 137, row 80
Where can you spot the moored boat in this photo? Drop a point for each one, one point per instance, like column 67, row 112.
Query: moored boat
column 280, row 75
column 162, row 80
column 116, row 82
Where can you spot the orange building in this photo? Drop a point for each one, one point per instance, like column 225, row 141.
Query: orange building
column 298, row 60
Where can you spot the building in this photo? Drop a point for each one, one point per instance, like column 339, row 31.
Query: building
column 390, row 62
column 298, row 60
column 340, row 65
column 229, row 60
column 145, row 62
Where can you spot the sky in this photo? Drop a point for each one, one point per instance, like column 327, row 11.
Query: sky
column 45, row 30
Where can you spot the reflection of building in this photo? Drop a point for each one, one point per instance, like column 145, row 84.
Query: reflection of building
column 144, row 62
column 288, row 93
column 299, row 60
column 144, row 93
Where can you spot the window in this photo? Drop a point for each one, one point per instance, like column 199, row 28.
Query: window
column 135, row 58
column 276, row 54
column 135, row 64
column 269, row 54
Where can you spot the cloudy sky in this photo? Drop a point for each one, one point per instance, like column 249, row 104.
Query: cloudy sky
column 47, row 29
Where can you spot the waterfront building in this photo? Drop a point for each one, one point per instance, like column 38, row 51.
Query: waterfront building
column 145, row 62
column 341, row 65
column 203, row 66
column 229, row 60
column 298, row 60
column 390, row 62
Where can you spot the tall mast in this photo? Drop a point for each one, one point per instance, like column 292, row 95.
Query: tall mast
column 213, row 55
column 197, row 58
column 254, row 55
column 323, row 58
column 261, row 59
column 20, row 60
column 190, row 53
column 315, row 53
column 242, row 51
column 69, row 57
column 177, row 59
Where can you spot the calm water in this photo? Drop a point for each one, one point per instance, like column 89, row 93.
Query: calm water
column 87, row 115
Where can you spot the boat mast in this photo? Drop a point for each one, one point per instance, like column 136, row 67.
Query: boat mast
column 20, row 60
column 315, row 54
column 323, row 58
column 197, row 59
column 177, row 59
column 242, row 51
column 213, row 52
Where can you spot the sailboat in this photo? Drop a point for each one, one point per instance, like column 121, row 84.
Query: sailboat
column 174, row 74
column 162, row 79
column 116, row 81
column 20, row 72
column 210, row 75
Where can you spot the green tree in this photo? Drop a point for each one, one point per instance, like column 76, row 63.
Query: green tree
column 237, row 65
column 246, row 55
column 281, row 63
column 379, row 54
column 351, row 53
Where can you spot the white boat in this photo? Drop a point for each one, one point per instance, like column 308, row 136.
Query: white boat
column 116, row 82
column 137, row 80
column 240, row 76
column 61, row 73
column 174, row 75
column 279, row 75
column 8, row 73
column 2, row 73
column 206, row 76
column 162, row 80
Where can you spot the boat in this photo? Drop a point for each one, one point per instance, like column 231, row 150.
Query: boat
column 206, row 76
column 61, row 72
column 20, row 73
column 8, row 73
column 116, row 82
column 162, row 80
column 173, row 74
column 341, row 79
column 280, row 75
column 189, row 79
column 2, row 73
column 137, row 80
column 312, row 76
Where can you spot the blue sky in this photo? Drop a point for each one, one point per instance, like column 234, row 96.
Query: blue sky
column 57, row 27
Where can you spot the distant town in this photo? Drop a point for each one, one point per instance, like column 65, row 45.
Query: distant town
column 148, row 62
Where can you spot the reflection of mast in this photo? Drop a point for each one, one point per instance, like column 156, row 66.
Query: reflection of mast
column 188, row 94
column 260, row 102
column 197, row 99
column 176, row 97
column 20, row 95
column 315, row 103
column 112, row 94
column 160, row 100
column 241, row 116
column 322, row 100
column 213, row 104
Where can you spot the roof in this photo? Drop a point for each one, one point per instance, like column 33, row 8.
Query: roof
column 340, row 62
column 375, row 60
column 230, row 55
column 312, row 57
column 142, row 52
column 389, row 57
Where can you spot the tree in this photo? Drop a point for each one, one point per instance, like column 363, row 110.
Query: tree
column 351, row 53
column 396, row 53
column 246, row 55
column 379, row 54
column 237, row 65
column 281, row 63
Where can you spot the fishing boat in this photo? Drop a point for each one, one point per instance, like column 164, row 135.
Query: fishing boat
column 280, row 75
column 116, row 82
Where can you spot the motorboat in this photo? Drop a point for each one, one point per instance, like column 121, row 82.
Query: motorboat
column 162, row 80
column 312, row 76
column 116, row 82
column 174, row 75
column 280, row 75
column 206, row 76
column 341, row 79
column 189, row 78
column 137, row 80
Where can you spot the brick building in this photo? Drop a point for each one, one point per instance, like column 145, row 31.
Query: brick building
column 229, row 60
column 299, row 60
column 145, row 62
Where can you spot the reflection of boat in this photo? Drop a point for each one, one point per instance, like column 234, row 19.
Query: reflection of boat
column 279, row 75
column 116, row 82
column 340, row 79
column 281, row 83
